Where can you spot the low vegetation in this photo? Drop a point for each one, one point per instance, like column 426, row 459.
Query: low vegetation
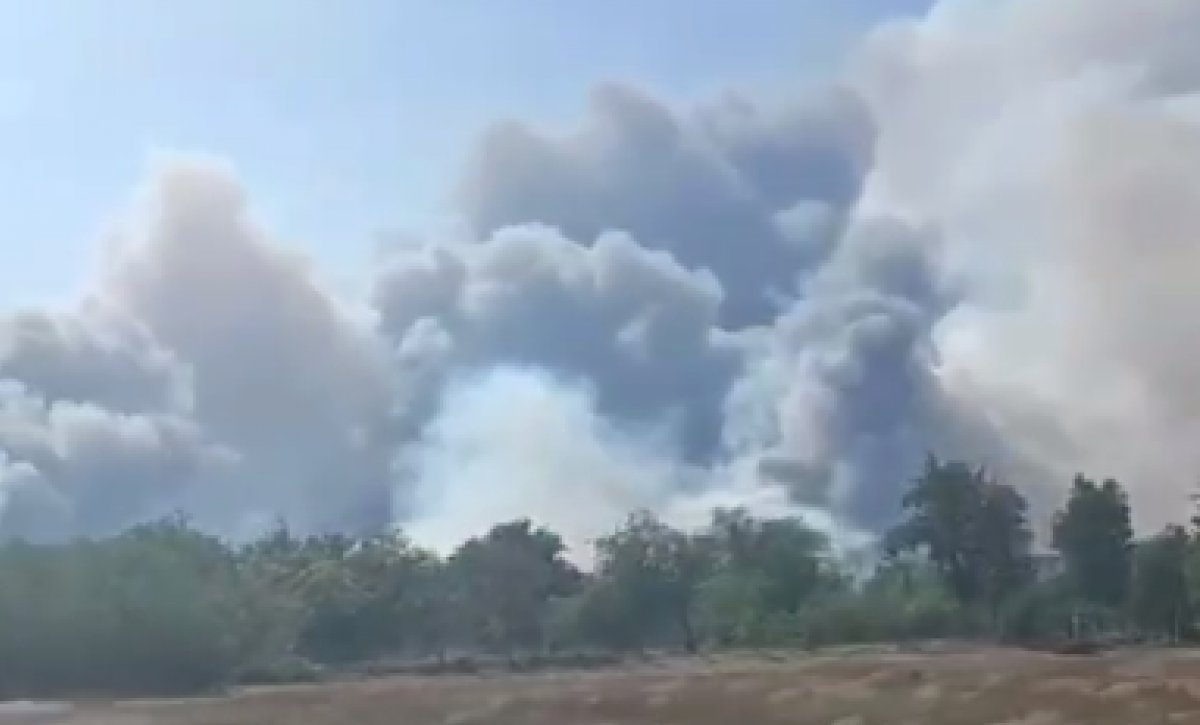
column 167, row 609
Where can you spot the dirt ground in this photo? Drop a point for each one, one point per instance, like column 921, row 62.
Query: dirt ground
column 976, row 688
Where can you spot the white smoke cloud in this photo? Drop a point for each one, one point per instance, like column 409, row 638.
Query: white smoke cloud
column 515, row 443
column 981, row 238
column 1047, row 140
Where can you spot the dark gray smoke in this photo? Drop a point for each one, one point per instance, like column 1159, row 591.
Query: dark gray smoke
column 753, row 194
column 980, row 238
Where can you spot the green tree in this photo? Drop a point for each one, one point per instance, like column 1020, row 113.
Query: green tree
column 1043, row 610
column 973, row 529
column 1160, row 601
column 1004, row 541
column 732, row 608
column 1094, row 535
column 789, row 559
column 600, row 615
column 907, row 599
column 509, row 580
column 655, row 573
column 159, row 609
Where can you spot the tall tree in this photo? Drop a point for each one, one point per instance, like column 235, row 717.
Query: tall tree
column 656, row 573
column 1004, row 540
column 508, row 580
column 1094, row 535
column 973, row 529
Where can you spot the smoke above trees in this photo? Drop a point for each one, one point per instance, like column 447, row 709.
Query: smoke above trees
column 979, row 238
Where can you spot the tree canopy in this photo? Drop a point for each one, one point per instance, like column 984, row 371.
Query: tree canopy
column 166, row 608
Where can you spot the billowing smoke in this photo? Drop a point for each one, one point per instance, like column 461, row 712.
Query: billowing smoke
column 981, row 238
column 518, row 443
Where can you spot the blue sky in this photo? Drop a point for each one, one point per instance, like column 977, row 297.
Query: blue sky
column 344, row 118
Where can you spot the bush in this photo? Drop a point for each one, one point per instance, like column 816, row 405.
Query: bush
column 290, row 670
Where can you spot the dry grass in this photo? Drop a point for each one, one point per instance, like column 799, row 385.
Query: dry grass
column 980, row 688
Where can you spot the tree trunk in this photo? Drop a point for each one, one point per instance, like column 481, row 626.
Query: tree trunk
column 689, row 632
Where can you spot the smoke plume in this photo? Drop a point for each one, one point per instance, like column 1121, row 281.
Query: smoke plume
column 981, row 237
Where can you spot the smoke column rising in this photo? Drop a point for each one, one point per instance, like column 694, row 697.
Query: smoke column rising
column 979, row 238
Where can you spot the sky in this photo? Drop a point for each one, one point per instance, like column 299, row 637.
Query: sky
column 346, row 121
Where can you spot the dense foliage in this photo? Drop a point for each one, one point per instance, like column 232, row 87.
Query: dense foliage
column 166, row 608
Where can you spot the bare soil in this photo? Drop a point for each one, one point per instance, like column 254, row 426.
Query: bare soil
column 981, row 687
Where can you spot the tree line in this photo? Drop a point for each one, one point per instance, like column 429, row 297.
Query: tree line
column 167, row 608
